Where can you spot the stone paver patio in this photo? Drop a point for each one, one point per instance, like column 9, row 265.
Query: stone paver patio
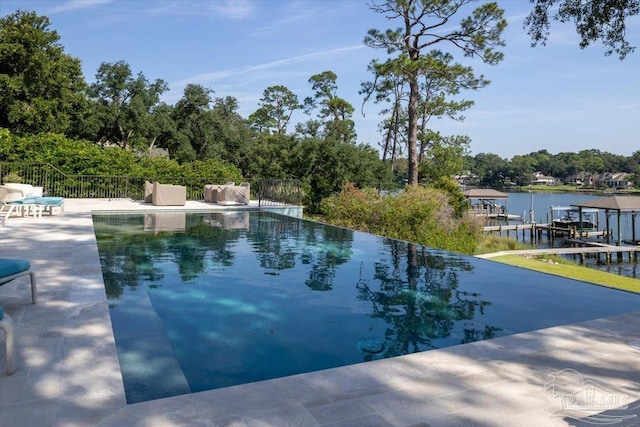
column 68, row 371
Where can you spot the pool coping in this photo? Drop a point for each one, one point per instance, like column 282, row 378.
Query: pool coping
column 68, row 371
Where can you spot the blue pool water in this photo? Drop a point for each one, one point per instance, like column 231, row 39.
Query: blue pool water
column 207, row 300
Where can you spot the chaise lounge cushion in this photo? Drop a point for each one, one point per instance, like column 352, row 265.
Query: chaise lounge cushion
column 26, row 189
column 9, row 267
column 10, row 194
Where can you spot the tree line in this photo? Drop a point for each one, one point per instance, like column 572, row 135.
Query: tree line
column 44, row 91
column 491, row 170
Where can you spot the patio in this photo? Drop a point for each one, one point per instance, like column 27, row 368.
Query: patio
column 68, row 372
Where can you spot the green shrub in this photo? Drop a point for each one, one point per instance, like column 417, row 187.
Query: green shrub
column 488, row 243
column 75, row 157
column 12, row 177
column 420, row 215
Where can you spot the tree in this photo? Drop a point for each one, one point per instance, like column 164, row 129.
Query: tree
column 260, row 121
column 276, row 106
column 208, row 128
column 445, row 156
column 478, row 35
column 592, row 161
column 230, row 131
column 522, row 170
column 123, row 106
column 441, row 79
column 334, row 112
column 392, row 89
column 42, row 88
column 603, row 20
column 194, row 123
column 490, row 169
column 324, row 165
column 267, row 155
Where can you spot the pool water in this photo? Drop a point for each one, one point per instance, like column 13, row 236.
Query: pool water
column 200, row 301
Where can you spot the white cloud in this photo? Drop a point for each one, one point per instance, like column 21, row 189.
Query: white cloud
column 210, row 77
column 76, row 4
column 218, row 9
column 286, row 21
column 233, row 9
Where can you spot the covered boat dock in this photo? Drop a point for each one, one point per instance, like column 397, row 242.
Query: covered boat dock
column 484, row 202
column 618, row 205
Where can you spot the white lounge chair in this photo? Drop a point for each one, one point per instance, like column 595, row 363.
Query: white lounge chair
column 10, row 200
column 17, row 197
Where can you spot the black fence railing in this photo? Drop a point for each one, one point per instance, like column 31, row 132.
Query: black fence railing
column 54, row 182
column 279, row 192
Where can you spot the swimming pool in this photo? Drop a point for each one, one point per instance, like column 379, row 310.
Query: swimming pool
column 207, row 300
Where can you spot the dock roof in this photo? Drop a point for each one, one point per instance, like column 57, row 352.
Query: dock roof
column 484, row 194
column 619, row 203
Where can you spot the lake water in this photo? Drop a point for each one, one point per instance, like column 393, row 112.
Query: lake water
column 521, row 203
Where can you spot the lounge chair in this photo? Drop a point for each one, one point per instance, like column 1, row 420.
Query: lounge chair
column 7, row 208
column 11, row 269
column 48, row 203
column 165, row 194
column 212, row 191
column 168, row 195
column 17, row 197
column 10, row 200
column 234, row 194
column 6, row 325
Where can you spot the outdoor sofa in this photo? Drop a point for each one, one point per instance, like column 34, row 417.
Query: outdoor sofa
column 228, row 194
column 165, row 194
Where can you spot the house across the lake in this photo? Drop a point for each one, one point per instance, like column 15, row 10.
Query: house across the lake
column 541, row 179
column 614, row 180
column 617, row 180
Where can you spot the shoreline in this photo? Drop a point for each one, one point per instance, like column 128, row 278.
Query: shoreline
column 570, row 189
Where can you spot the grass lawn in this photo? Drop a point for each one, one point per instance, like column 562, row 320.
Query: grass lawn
column 488, row 243
column 573, row 271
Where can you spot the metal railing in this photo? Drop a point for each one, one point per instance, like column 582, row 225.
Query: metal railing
column 273, row 192
column 268, row 192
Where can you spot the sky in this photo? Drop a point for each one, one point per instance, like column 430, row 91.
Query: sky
column 556, row 97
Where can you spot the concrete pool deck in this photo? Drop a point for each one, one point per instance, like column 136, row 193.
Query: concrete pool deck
column 68, row 372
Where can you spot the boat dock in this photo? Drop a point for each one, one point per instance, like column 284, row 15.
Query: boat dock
column 572, row 232
column 536, row 230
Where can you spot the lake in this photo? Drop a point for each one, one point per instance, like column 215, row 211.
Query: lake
column 521, row 203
